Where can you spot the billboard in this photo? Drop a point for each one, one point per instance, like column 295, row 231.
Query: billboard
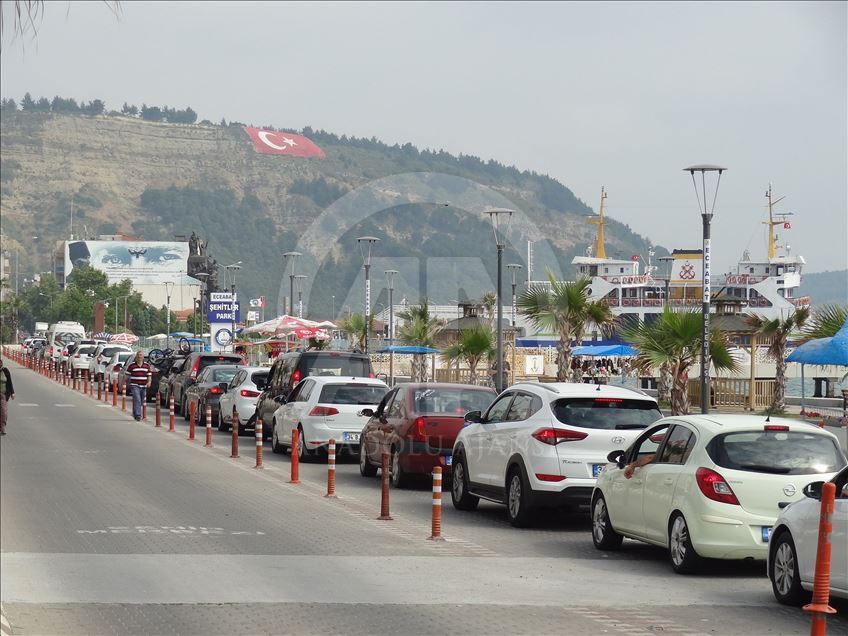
column 143, row 262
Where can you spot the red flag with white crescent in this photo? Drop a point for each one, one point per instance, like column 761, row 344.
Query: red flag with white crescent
column 786, row 225
column 272, row 142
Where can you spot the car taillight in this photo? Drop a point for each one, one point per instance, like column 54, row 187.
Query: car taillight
column 76, row 355
column 323, row 411
column 216, row 390
column 775, row 427
column 714, row 487
column 554, row 436
column 295, row 377
column 249, row 393
column 118, row 367
column 194, row 368
column 417, row 430
column 546, row 477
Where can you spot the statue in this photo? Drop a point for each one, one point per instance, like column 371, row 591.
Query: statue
column 193, row 245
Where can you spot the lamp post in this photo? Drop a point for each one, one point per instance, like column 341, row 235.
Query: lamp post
column 669, row 260
column 291, row 257
column 333, row 314
column 706, row 210
column 501, row 219
column 390, row 276
column 125, row 309
column 50, row 296
column 365, row 245
column 168, row 286
column 513, row 267
column 233, row 269
column 299, row 278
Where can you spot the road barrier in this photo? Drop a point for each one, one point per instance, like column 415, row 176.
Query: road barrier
column 384, row 494
column 158, row 412
column 171, row 414
column 331, row 469
column 123, row 396
column 821, row 583
column 191, row 415
column 260, row 442
column 99, row 390
column 436, row 532
column 115, row 393
column 85, row 383
column 235, row 426
column 295, row 459
column 208, row 443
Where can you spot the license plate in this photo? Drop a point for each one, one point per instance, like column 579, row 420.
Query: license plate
column 448, row 460
column 766, row 534
column 597, row 469
column 350, row 437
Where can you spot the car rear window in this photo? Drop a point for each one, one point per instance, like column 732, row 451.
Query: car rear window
column 223, row 375
column 260, row 378
column 776, row 452
column 88, row 350
column 351, row 394
column 108, row 352
column 606, row 413
column 335, row 364
column 208, row 361
column 451, row 401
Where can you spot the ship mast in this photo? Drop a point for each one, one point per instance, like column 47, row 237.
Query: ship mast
column 600, row 222
column 772, row 223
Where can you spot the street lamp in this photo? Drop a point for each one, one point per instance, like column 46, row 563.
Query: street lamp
column 299, row 278
column 50, row 296
column 390, row 276
column 501, row 219
column 365, row 245
column 333, row 315
column 706, row 211
column 125, row 311
column 513, row 267
column 168, row 286
column 291, row 257
column 669, row 260
column 233, row 269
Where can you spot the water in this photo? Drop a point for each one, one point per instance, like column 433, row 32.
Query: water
column 793, row 385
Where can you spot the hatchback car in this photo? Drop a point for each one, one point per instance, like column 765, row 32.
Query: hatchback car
column 417, row 425
column 100, row 356
column 243, row 392
column 712, row 485
column 794, row 541
column 543, row 445
column 181, row 380
column 207, row 390
column 80, row 357
column 115, row 367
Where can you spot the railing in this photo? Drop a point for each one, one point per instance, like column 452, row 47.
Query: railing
column 733, row 392
column 803, row 301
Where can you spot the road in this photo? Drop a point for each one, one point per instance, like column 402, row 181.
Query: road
column 110, row 526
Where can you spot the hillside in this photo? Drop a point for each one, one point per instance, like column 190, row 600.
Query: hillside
column 157, row 180
column 826, row 287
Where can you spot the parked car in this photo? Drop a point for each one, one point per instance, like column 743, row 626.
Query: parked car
column 243, row 392
column 324, row 408
column 115, row 367
column 101, row 355
column 207, row 390
column 417, row 425
column 60, row 335
column 794, row 541
column 79, row 358
column 166, row 368
column 195, row 362
column 542, row 445
column 714, row 485
column 290, row 368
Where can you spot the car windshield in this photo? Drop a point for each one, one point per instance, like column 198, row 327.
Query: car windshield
column 351, row 394
column 606, row 413
column 223, row 375
column 777, row 452
column 450, row 401
column 208, row 361
column 336, row 364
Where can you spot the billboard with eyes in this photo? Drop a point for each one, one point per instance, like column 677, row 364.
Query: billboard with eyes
column 142, row 262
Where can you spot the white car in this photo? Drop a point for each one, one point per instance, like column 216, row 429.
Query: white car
column 543, row 445
column 101, row 355
column 80, row 358
column 712, row 487
column 792, row 553
column 324, row 408
column 115, row 364
column 243, row 392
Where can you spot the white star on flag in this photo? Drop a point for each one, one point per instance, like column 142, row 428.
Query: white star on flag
column 290, row 142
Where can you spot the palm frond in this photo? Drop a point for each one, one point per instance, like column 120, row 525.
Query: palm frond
column 825, row 322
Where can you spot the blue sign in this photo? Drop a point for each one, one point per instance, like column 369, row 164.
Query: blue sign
column 222, row 311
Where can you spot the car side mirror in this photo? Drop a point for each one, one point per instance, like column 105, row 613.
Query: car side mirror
column 473, row 417
column 366, row 413
column 813, row 490
column 616, row 457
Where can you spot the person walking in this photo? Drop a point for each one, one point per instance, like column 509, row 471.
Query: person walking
column 7, row 392
column 140, row 376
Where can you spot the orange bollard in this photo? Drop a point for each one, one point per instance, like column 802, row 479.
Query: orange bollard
column 124, row 397
column 436, row 532
column 234, row 448
column 158, row 413
column 331, row 469
column 295, row 460
column 208, row 443
column 171, row 414
column 115, row 393
column 99, row 390
column 85, row 384
column 384, row 498
column 821, row 582
column 191, row 422
column 260, row 442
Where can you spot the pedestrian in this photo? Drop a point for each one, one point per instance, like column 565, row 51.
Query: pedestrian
column 139, row 376
column 7, row 392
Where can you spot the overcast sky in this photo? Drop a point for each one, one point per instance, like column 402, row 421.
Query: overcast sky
column 622, row 95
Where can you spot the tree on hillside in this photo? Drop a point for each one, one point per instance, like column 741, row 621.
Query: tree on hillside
column 42, row 105
column 93, row 108
column 130, row 111
column 151, row 113
column 28, row 103
column 61, row 105
column 8, row 105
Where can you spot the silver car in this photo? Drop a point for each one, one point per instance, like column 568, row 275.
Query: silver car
column 243, row 392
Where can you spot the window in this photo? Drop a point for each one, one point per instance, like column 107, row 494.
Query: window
column 385, row 403
column 351, row 394
column 606, row 413
column 776, row 452
column 295, row 394
column 221, row 375
column 497, row 412
column 306, row 390
column 237, row 379
column 750, row 270
column 648, row 444
column 396, row 407
column 523, row 406
column 678, row 446
column 451, row 401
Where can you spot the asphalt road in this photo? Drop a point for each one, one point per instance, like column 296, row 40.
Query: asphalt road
column 108, row 526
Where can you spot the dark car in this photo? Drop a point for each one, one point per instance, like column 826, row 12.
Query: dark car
column 164, row 367
column 181, row 381
column 207, row 390
column 290, row 368
column 417, row 425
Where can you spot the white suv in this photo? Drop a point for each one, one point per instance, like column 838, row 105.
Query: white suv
column 543, row 445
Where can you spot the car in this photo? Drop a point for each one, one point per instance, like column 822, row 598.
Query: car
column 79, row 358
column 115, row 366
column 243, row 392
column 208, row 389
column 713, row 486
column 59, row 336
column 290, row 368
column 794, row 541
column 166, row 368
column 322, row 408
column 417, row 425
column 181, row 381
column 101, row 355
column 543, row 445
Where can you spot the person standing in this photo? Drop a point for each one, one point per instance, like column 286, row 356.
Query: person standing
column 140, row 376
column 7, row 392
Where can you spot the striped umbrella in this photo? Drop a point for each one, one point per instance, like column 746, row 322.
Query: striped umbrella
column 103, row 335
column 123, row 338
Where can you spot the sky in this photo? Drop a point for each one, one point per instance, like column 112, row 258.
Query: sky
column 620, row 95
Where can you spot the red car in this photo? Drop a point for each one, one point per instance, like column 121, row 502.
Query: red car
column 417, row 425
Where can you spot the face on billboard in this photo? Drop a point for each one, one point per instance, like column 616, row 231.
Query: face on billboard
column 139, row 261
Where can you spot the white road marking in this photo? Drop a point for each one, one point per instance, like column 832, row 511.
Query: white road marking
column 66, row 405
column 199, row 530
column 27, row 404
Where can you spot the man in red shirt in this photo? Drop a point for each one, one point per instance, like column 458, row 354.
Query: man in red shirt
column 139, row 377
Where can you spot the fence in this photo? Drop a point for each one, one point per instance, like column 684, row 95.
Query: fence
column 734, row 393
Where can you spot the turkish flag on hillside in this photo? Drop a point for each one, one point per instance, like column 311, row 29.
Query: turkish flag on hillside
column 271, row 142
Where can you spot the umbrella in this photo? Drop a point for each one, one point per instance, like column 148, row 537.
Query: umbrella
column 101, row 335
column 407, row 349
column 157, row 337
column 283, row 325
column 606, row 350
column 822, row 351
column 123, row 338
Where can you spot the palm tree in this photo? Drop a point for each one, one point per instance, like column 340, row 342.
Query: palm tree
column 779, row 330
column 675, row 339
column 566, row 309
column 825, row 322
column 489, row 302
column 472, row 346
column 419, row 329
column 354, row 328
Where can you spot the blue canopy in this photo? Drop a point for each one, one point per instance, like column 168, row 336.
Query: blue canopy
column 608, row 350
column 407, row 349
column 824, row 351
column 181, row 334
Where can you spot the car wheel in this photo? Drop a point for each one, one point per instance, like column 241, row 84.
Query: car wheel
column 275, row 441
column 682, row 554
column 399, row 478
column 366, row 468
column 303, row 453
column 603, row 535
column 222, row 425
column 784, row 573
column 517, row 499
column 462, row 499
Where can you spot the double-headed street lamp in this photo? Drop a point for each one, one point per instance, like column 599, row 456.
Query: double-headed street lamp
column 233, row 269
column 169, row 285
column 390, row 276
column 706, row 210
column 291, row 258
column 501, row 219
column 513, row 267
column 365, row 245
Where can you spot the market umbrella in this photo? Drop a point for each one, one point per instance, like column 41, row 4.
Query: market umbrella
column 157, row 337
column 101, row 335
column 604, row 350
column 822, row 351
column 123, row 338
column 283, row 326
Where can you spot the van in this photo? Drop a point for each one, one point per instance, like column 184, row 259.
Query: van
column 62, row 334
